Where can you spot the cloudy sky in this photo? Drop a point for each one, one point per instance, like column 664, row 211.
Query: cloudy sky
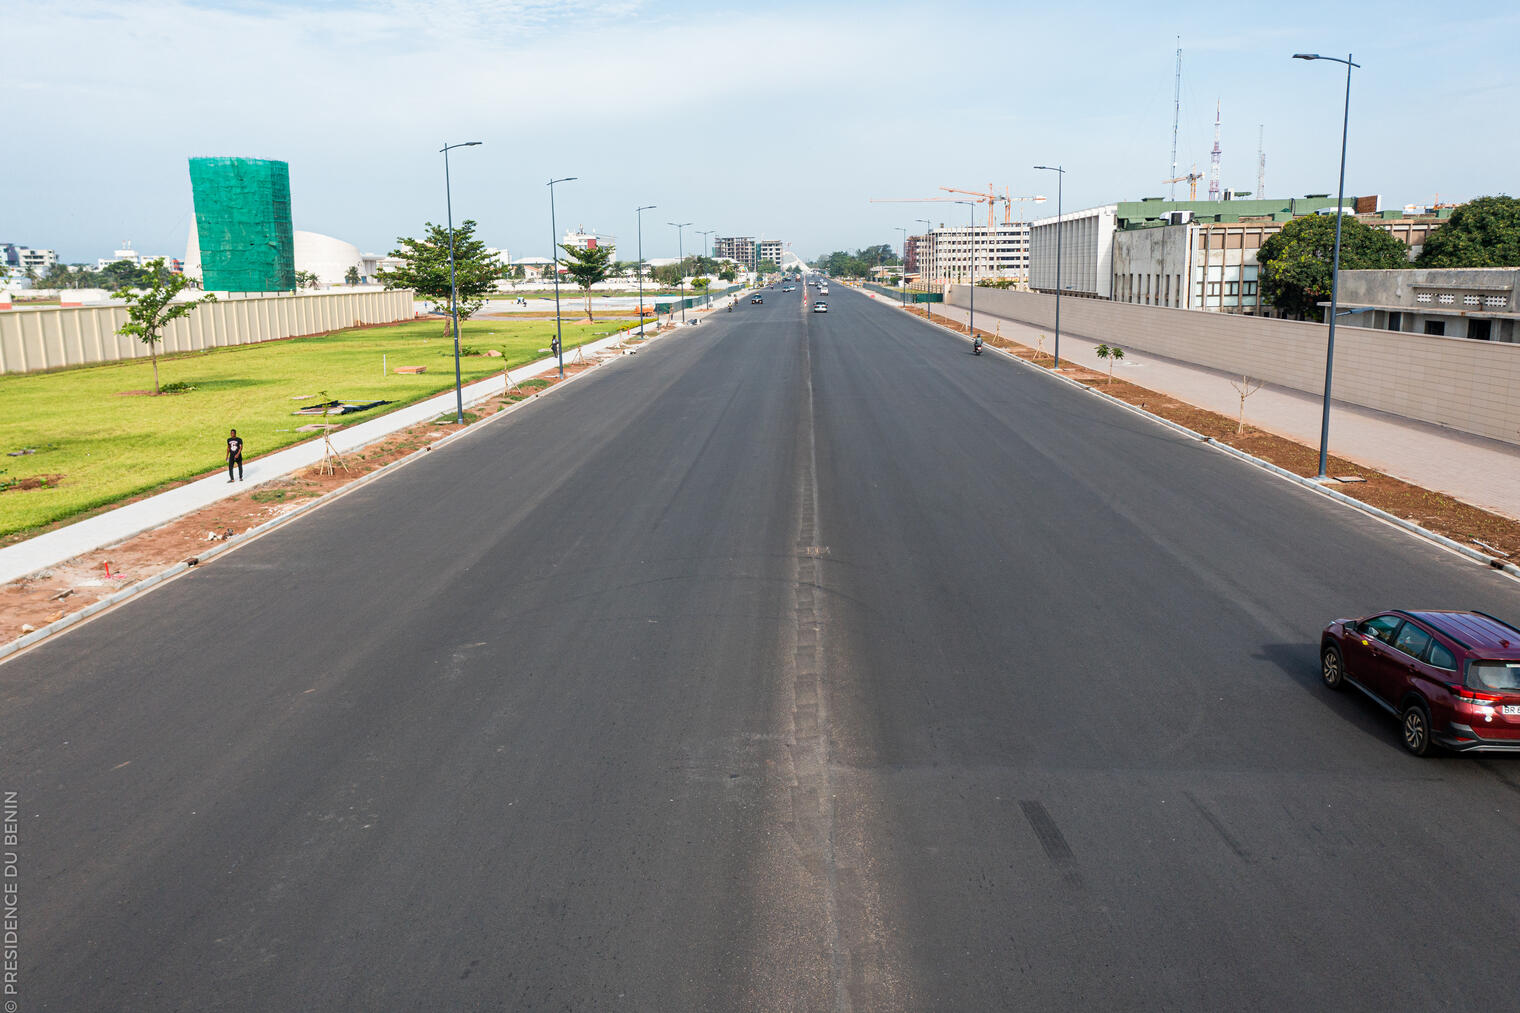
column 771, row 119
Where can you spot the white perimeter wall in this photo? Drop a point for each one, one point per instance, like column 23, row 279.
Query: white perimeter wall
column 1472, row 386
column 50, row 338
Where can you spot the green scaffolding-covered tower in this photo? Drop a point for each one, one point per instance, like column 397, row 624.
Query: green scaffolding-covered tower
column 242, row 222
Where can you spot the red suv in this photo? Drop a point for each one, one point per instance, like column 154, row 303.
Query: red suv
column 1451, row 678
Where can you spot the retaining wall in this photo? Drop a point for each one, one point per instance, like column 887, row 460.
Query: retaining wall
column 1472, row 386
column 35, row 339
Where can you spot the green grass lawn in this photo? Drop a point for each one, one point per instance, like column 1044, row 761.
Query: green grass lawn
column 107, row 445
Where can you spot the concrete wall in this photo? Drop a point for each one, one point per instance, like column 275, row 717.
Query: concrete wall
column 33, row 339
column 1466, row 385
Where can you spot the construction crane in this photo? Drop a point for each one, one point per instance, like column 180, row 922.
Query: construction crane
column 991, row 199
column 1191, row 179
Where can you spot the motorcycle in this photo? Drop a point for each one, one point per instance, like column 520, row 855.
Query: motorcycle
column 976, row 346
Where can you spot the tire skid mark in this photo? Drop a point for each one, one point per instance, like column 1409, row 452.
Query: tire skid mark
column 1219, row 828
column 1052, row 840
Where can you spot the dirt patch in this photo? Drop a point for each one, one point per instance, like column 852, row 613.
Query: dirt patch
column 32, row 482
column 1486, row 532
column 71, row 586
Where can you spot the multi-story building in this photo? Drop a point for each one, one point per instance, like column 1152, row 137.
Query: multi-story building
column 999, row 252
column 580, row 239
column 769, row 249
column 18, row 259
column 746, row 251
column 739, row 249
column 915, row 253
column 1188, row 261
column 1479, row 303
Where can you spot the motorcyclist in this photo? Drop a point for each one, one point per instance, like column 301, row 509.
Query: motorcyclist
column 976, row 345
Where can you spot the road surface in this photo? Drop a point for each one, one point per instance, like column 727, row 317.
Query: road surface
column 800, row 662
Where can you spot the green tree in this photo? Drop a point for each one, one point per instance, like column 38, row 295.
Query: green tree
column 121, row 274
column 306, row 279
column 351, row 276
column 728, row 273
column 1295, row 263
column 767, row 267
column 700, row 283
column 1113, row 353
column 425, row 268
column 587, row 267
column 1484, row 232
column 152, row 307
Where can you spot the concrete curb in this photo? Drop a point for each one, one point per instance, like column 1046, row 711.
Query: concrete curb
column 1491, row 562
column 14, row 647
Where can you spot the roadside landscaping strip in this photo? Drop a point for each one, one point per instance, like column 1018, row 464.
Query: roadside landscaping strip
column 1505, row 533
column 202, row 554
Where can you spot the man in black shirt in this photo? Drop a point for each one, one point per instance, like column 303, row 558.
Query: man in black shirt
column 234, row 455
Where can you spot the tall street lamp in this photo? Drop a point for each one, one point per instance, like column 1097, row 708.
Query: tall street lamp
column 923, row 268
column 902, row 281
column 1060, row 228
column 639, row 214
column 971, row 206
column 681, row 263
column 559, row 340
column 706, row 247
column 1335, row 264
column 448, row 197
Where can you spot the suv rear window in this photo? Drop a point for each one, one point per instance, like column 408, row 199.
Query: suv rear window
column 1440, row 657
column 1495, row 675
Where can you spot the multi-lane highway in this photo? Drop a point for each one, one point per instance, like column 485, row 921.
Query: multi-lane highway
column 802, row 661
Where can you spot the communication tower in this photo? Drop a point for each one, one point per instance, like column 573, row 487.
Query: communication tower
column 1214, row 158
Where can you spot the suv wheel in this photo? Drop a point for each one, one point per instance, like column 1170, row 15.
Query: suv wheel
column 1415, row 728
column 1331, row 669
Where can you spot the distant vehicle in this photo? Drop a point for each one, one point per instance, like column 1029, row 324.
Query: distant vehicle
column 1451, row 678
column 788, row 288
column 756, row 298
column 823, row 290
column 820, row 307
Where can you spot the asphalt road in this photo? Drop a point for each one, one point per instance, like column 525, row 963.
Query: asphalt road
column 800, row 662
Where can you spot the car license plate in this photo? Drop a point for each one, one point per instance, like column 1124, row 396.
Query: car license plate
column 1511, row 708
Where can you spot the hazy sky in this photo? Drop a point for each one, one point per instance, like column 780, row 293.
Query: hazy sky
column 771, row 119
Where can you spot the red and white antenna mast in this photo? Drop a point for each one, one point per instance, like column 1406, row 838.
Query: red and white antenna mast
column 1214, row 158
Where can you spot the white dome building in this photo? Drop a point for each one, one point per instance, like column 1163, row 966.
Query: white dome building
column 324, row 256
column 327, row 258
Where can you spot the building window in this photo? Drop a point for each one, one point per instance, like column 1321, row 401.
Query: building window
column 1248, row 288
column 1232, row 288
column 1422, row 297
column 1494, row 302
column 1213, row 288
column 1480, row 330
column 1435, row 327
column 1395, row 321
column 1446, row 298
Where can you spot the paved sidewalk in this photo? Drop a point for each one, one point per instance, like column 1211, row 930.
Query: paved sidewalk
column 113, row 526
column 1475, row 470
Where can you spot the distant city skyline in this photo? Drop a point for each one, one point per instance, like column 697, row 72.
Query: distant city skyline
column 778, row 122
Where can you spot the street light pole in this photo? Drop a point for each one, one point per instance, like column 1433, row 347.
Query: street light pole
column 559, row 340
column 902, row 282
column 681, row 263
column 639, row 214
column 1335, row 264
column 1060, row 229
column 971, row 206
column 448, row 196
column 923, row 268
column 706, row 246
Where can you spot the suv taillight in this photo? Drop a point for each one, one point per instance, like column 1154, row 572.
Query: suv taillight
column 1474, row 696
